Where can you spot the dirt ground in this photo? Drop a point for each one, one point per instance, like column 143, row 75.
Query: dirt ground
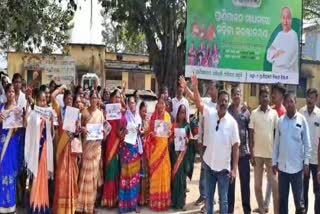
column 193, row 195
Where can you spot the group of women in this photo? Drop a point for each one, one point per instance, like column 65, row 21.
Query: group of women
column 149, row 172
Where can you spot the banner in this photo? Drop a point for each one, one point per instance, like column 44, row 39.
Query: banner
column 61, row 69
column 244, row 40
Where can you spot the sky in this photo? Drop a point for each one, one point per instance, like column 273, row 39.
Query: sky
column 81, row 33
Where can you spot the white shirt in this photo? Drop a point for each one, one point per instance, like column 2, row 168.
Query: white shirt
column 60, row 100
column 218, row 152
column 313, row 121
column 289, row 44
column 22, row 101
column 203, row 135
column 175, row 106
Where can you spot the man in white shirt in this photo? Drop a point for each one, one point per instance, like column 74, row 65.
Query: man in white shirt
column 283, row 52
column 263, row 123
column 211, row 102
column 180, row 100
column 20, row 96
column 291, row 155
column 318, row 175
column 312, row 114
column 224, row 139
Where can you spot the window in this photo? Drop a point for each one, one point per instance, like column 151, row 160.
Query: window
column 302, row 88
column 253, row 90
column 153, row 84
column 29, row 76
column 291, row 89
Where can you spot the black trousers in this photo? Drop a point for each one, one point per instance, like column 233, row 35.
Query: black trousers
column 316, row 188
column 244, row 174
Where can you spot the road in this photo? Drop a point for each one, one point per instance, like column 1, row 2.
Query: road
column 193, row 195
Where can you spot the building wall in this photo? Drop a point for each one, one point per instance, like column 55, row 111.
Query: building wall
column 15, row 63
column 88, row 59
column 22, row 62
column 311, row 49
column 313, row 81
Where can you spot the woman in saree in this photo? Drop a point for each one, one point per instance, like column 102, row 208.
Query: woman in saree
column 91, row 167
column 182, row 159
column 9, row 153
column 130, row 151
column 144, row 128
column 66, row 175
column 112, row 162
column 159, row 160
column 39, row 156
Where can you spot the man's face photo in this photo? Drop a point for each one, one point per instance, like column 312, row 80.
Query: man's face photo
column 286, row 19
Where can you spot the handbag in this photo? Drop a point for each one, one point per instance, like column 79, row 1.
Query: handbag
column 76, row 146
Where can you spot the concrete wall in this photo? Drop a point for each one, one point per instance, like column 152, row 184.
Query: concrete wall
column 313, row 81
column 22, row 62
column 89, row 58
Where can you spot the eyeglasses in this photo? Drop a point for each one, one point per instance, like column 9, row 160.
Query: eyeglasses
column 217, row 127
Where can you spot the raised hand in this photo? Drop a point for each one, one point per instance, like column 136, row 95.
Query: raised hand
column 194, row 80
column 182, row 81
column 124, row 85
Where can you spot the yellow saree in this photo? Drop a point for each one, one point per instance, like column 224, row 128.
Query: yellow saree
column 160, row 169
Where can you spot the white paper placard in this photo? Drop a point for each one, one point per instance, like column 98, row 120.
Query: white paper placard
column 95, row 131
column 179, row 139
column 161, row 128
column 70, row 118
column 13, row 118
column 131, row 137
column 44, row 112
column 113, row 111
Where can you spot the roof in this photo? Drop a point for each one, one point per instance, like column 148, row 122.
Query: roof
column 128, row 54
column 313, row 23
column 309, row 61
column 86, row 44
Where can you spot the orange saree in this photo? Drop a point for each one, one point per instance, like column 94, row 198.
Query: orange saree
column 160, row 169
column 66, row 176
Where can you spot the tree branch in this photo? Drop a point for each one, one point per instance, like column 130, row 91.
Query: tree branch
column 314, row 12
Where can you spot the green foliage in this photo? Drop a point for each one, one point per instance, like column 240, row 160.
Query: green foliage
column 118, row 39
column 311, row 9
column 163, row 24
column 28, row 25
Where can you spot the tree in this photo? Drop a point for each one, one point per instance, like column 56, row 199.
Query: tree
column 311, row 9
column 163, row 23
column 118, row 39
column 29, row 25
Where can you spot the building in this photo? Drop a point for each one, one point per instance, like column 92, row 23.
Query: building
column 80, row 59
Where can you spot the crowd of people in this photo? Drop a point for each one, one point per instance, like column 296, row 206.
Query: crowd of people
column 61, row 171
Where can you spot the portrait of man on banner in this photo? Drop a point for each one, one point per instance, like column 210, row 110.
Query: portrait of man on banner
column 283, row 52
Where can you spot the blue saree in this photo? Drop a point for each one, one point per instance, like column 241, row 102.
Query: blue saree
column 11, row 161
column 9, row 166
